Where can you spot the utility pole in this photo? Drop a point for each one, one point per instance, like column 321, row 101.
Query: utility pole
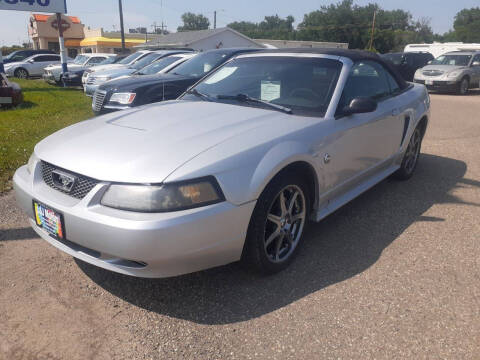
column 215, row 19
column 373, row 31
column 61, row 43
column 122, row 31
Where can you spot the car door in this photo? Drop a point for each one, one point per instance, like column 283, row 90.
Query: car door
column 363, row 144
column 476, row 70
column 41, row 62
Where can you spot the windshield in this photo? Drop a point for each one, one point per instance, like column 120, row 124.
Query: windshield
column 454, row 60
column 157, row 66
column 304, row 85
column 146, row 60
column 130, row 58
column 16, row 56
column 109, row 60
column 201, row 64
column 80, row 59
column 395, row 58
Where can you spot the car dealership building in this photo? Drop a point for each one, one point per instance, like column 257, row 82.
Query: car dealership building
column 43, row 31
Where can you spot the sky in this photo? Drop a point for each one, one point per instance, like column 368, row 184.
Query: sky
column 104, row 13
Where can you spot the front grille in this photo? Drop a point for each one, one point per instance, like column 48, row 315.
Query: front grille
column 82, row 186
column 91, row 80
column 98, row 98
column 432, row 72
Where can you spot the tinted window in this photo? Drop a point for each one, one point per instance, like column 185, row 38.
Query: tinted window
column 146, row 60
column 476, row 58
column 396, row 58
column 366, row 79
column 392, row 83
column 43, row 58
column 80, row 59
column 202, row 63
column 158, row 65
column 304, row 85
column 131, row 58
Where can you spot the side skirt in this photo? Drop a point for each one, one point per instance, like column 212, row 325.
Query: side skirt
column 356, row 191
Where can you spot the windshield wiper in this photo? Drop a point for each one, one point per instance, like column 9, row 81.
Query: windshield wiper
column 199, row 94
column 246, row 98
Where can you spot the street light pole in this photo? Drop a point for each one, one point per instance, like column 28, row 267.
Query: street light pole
column 122, row 31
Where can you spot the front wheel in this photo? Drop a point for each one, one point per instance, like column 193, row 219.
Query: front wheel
column 410, row 159
column 277, row 224
column 463, row 86
column 21, row 73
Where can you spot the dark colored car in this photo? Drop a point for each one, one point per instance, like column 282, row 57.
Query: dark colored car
column 74, row 78
column 20, row 55
column 10, row 92
column 138, row 90
column 407, row 63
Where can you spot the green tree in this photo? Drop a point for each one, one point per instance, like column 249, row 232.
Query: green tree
column 467, row 25
column 193, row 21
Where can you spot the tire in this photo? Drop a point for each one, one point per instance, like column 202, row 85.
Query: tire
column 463, row 86
column 21, row 73
column 410, row 159
column 275, row 233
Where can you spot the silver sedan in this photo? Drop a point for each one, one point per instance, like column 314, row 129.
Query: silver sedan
column 230, row 171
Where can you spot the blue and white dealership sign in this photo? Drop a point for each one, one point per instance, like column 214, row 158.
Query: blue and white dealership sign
column 50, row 6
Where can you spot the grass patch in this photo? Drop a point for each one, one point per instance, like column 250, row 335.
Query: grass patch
column 46, row 109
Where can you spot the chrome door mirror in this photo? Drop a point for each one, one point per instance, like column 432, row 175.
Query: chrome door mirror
column 476, row 63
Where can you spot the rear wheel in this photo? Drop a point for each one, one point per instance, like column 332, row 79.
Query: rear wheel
column 277, row 224
column 410, row 159
column 463, row 86
column 21, row 73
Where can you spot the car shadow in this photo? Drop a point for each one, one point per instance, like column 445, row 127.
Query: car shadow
column 341, row 246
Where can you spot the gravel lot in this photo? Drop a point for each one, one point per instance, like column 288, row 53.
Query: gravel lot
column 395, row 274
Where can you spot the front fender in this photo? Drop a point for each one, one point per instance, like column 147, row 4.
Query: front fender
column 279, row 157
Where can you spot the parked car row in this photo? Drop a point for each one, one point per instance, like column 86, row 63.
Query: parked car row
column 231, row 170
column 456, row 71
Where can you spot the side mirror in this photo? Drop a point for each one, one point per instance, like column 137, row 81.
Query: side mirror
column 429, row 61
column 360, row 105
column 31, row 61
column 476, row 63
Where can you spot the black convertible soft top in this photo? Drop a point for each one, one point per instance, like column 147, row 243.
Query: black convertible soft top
column 354, row 55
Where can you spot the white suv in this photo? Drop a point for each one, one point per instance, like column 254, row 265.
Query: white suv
column 31, row 66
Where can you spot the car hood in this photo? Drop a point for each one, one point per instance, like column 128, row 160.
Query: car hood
column 113, row 72
column 108, row 67
column 146, row 144
column 444, row 68
column 70, row 66
column 135, row 81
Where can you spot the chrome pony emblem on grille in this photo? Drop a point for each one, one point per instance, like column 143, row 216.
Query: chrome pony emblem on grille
column 63, row 181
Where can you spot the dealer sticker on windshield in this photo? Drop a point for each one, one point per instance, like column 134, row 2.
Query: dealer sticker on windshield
column 49, row 220
column 269, row 90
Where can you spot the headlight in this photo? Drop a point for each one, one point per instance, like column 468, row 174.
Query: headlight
column 454, row 74
column 32, row 161
column 102, row 79
column 123, row 98
column 418, row 74
column 163, row 198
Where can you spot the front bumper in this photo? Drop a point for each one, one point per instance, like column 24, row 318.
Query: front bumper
column 439, row 85
column 138, row 244
column 49, row 78
column 90, row 89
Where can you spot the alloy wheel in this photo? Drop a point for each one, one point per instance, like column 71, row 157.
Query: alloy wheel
column 464, row 86
column 284, row 224
column 21, row 74
column 413, row 150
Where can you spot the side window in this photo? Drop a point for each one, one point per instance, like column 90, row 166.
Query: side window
column 366, row 79
column 52, row 58
column 392, row 83
column 39, row 58
column 476, row 58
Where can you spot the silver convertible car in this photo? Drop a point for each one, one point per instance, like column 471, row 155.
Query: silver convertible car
column 233, row 170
